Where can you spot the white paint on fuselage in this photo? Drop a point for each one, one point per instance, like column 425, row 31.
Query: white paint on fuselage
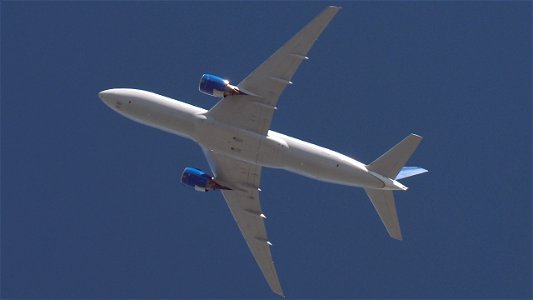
column 275, row 150
column 155, row 110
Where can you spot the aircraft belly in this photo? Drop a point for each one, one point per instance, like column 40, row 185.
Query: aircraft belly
column 160, row 112
column 283, row 152
column 170, row 121
column 333, row 172
column 326, row 165
column 241, row 144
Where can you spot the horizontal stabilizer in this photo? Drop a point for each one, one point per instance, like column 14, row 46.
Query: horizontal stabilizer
column 410, row 171
column 383, row 201
column 390, row 163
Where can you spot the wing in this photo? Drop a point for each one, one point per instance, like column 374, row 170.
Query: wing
column 243, row 202
column 265, row 84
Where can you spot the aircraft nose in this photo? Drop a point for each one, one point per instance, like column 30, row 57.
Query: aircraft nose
column 112, row 98
column 106, row 96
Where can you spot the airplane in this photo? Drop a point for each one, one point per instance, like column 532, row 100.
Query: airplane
column 236, row 139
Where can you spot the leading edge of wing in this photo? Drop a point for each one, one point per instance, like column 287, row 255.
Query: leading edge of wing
column 273, row 75
column 266, row 83
column 245, row 207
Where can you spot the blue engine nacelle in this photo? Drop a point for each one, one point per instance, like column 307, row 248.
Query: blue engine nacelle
column 200, row 180
column 215, row 86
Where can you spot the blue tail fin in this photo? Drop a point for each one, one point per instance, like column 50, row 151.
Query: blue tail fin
column 409, row 171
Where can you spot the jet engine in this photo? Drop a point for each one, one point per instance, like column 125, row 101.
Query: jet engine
column 215, row 86
column 200, row 180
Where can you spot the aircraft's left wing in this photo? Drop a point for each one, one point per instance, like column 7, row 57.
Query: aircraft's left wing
column 243, row 202
column 253, row 112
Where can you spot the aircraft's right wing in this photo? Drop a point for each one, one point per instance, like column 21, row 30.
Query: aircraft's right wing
column 265, row 84
column 243, row 202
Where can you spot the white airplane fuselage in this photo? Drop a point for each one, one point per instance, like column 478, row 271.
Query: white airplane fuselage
column 274, row 150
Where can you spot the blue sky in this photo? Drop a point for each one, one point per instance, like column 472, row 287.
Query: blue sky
column 91, row 206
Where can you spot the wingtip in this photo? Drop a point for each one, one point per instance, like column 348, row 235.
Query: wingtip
column 416, row 135
column 398, row 238
column 396, row 234
column 277, row 290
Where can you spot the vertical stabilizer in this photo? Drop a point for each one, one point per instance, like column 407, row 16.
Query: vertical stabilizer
column 390, row 163
column 383, row 201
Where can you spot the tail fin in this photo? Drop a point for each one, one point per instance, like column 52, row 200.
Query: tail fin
column 409, row 171
column 391, row 165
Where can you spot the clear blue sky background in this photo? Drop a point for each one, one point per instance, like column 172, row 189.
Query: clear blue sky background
column 91, row 206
